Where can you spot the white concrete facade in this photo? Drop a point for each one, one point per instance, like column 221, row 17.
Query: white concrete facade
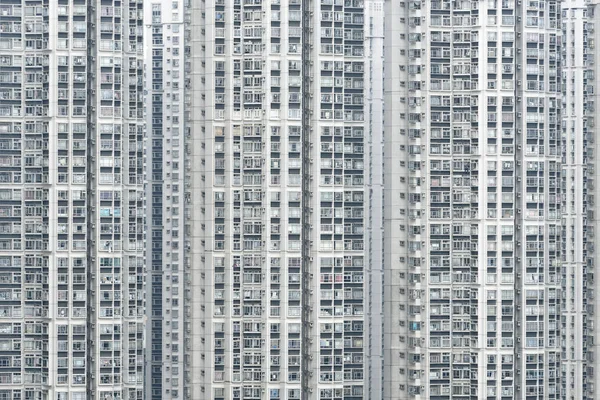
column 577, row 230
column 166, row 198
column 472, row 200
column 72, row 236
column 593, row 191
column 279, row 199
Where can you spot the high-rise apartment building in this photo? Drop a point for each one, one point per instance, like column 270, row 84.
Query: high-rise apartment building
column 375, row 188
column 280, row 207
column 578, row 247
column 114, row 184
column 72, row 302
column 590, row 374
column 473, row 199
column 165, row 198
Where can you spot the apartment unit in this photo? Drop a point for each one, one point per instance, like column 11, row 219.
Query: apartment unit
column 71, row 319
column 164, row 54
column 473, row 249
column 280, row 208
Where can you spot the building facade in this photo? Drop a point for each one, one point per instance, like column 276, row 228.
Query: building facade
column 71, row 246
column 280, row 206
column 164, row 55
column 375, row 187
column 115, row 198
column 578, row 246
column 473, row 201
column 591, row 372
